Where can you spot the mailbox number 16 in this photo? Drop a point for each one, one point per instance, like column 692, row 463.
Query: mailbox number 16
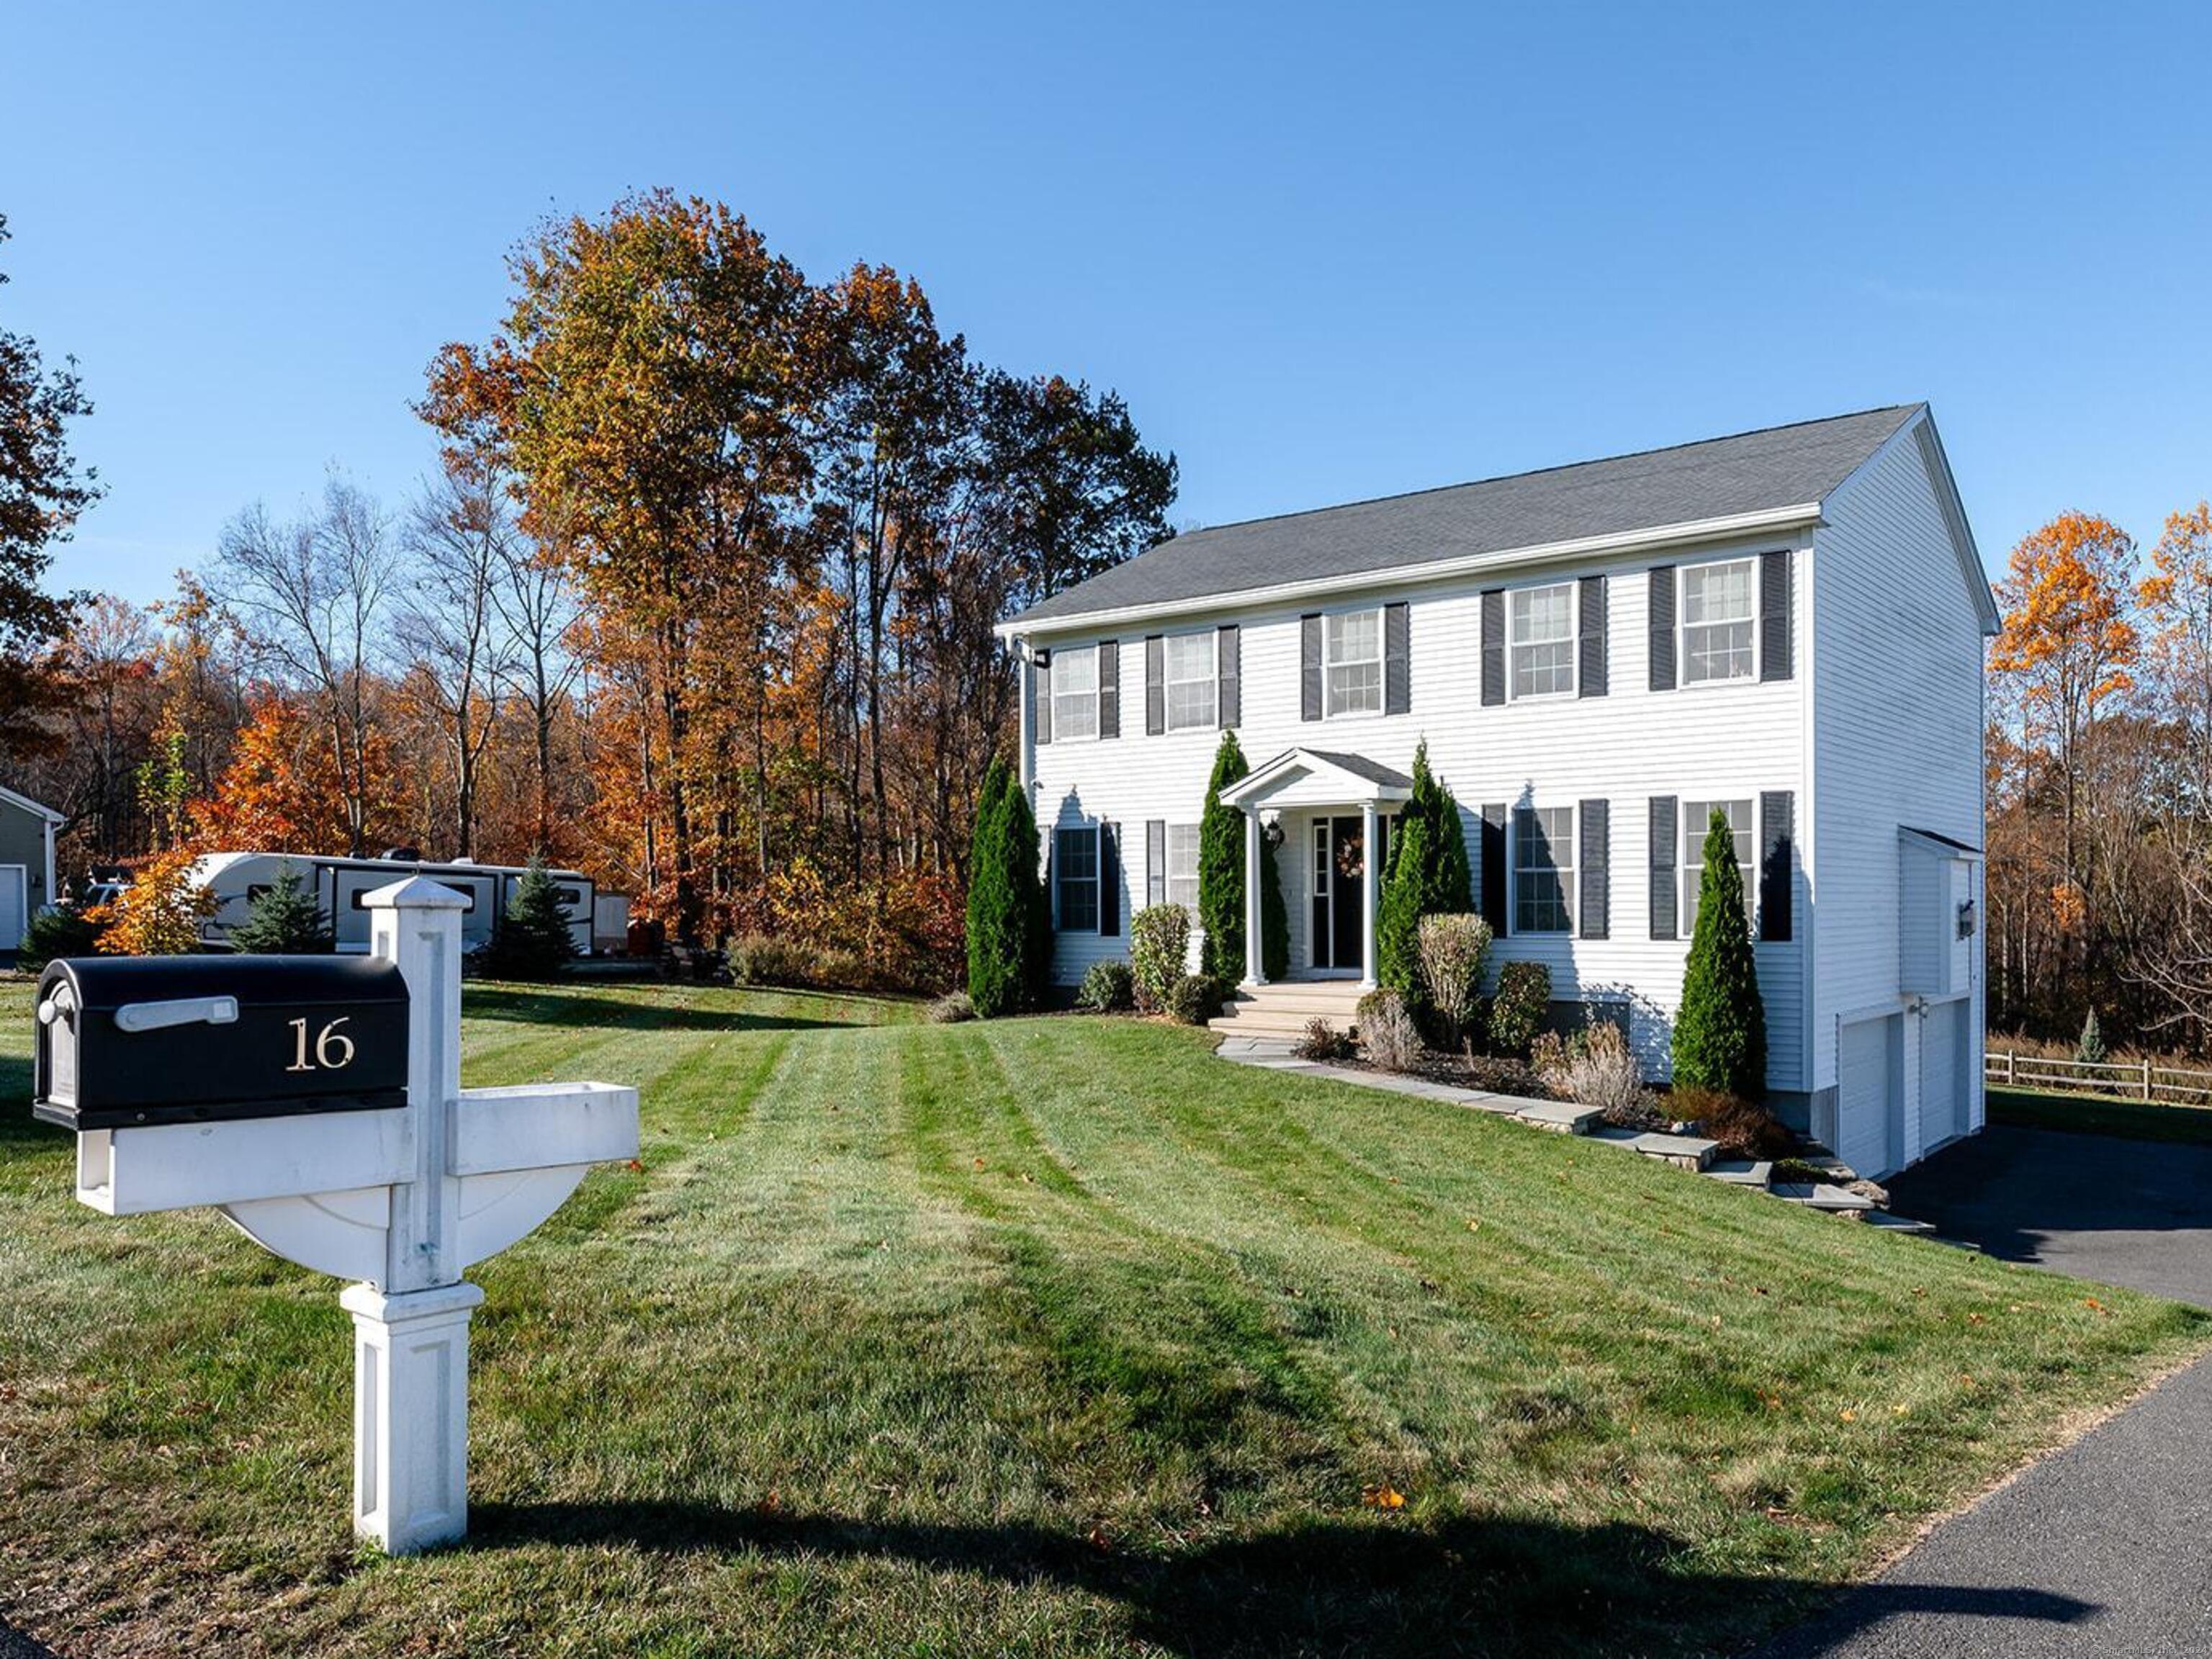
column 333, row 1048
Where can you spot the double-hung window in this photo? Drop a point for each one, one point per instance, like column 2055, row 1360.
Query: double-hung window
column 1543, row 868
column 1541, row 628
column 1183, row 866
column 1075, row 873
column 1719, row 608
column 1075, row 693
column 1353, row 644
column 1696, row 819
column 1192, row 684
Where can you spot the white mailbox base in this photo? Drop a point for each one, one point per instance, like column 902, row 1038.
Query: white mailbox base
column 410, row 1413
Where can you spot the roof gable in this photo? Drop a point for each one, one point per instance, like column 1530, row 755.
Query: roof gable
column 1708, row 484
column 26, row 804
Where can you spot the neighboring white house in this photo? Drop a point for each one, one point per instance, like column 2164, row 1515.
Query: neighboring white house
column 1787, row 624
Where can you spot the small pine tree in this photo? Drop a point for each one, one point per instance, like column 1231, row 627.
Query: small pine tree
column 1427, row 875
column 1720, row 1034
column 999, row 948
column 285, row 920
column 2091, row 1050
column 532, row 940
column 1024, row 854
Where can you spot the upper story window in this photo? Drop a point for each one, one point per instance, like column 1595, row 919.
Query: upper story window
column 1696, row 819
column 1543, row 868
column 1183, row 866
column 1719, row 604
column 1352, row 658
column 1192, row 684
column 1540, row 636
column 1075, row 693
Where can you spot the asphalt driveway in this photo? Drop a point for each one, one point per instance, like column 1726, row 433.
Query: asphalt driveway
column 2103, row 1549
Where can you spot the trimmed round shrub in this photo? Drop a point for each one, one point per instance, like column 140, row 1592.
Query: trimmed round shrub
column 1518, row 1011
column 1196, row 999
column 1107, row 988
column 950, row 1009
column 1159, row 953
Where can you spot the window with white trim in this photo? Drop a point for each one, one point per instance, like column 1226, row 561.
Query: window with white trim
column 1075, row 873
column 1182, row 866
column 1543, row 868
column 1193, row 685
column 1540, row 640
column 1720, row 606
column 1696, row 819
column 1352, row 648
column 1075, row 693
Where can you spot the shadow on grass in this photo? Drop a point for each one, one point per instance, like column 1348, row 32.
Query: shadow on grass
column 1383, row 1589
column 13, row 1644
column 568, row 1006
column 17, row 1125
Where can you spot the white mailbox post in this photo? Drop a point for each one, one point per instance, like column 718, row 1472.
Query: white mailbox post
column 403, row 1200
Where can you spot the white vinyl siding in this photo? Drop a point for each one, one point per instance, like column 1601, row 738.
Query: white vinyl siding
column 1540, row 634
column 1193, row 684
column 1543, row 868
column 1720, row 619
column 1075, row 874
column 1697, row 818
column 1075, row 693
column 1182, row 866
column 1353, row 652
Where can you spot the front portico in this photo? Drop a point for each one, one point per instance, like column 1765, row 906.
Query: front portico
column 1323, row 791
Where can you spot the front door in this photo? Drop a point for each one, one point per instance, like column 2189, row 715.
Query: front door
column 1340, row 865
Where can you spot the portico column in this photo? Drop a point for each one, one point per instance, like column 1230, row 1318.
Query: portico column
column 1254, row 973
column 1371, row 876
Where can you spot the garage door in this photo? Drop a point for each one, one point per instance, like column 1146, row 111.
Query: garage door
column 15, row 911
column 1943, row 1050
column 1868, row 1117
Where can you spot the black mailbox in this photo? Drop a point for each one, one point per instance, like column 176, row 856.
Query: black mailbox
column 125, row 1041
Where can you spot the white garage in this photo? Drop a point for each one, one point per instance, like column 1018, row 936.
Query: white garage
column 1946, row 1040
column 1869, row 1099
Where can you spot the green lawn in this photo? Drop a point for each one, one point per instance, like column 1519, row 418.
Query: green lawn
column 1045, row 1337
column 2098, row 1115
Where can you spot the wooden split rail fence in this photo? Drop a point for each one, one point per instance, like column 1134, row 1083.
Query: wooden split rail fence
column 2135, row 1079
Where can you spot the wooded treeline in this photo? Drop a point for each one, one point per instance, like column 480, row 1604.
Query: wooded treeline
column 700, row 599
column 2100, row 785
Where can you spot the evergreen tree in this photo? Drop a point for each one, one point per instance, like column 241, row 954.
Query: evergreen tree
column 285, row 920
column 2091, row 1050
column 1221, row 881
column 1025, row 859
column 999, row 948
column 532, row 940
column 1720, row 1034
column 1427, row 875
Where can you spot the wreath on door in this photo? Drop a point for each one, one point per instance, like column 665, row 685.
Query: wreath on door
column 1352, row 860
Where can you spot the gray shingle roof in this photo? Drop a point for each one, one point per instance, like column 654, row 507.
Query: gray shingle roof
column 1360, row 767
column 1753, row 472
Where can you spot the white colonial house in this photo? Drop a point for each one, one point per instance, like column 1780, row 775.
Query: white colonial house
column 1786, row 625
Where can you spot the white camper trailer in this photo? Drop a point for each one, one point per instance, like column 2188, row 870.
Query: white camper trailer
column 342, row 887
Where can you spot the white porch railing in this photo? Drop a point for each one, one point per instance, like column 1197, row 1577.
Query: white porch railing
column 2135, row 1079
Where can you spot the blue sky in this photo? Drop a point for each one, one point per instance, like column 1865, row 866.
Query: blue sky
column 1326, row 253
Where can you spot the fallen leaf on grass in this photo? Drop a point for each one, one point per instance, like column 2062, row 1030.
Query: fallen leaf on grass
column 1383, row 1497
column 1848, row 1415
column 637, row 1165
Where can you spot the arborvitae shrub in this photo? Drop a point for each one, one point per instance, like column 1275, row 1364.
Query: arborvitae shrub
column 1221, row 868
column 285, row 919
column 1009, row 929
column 1427, row 876
column 1720, row 1034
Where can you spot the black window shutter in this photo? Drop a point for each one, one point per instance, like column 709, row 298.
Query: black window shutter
column 1156, row 860
column 1777, row 824
column 1397, row 659
column 1052, row 876
column 1156, row 696
column 1109, row 880
column 1591, row 680
column 1494, row 646
column 1662, row 632
column 1777, row 618
column 1664, row 809
column 1310, row 667
column 1229, row 655
column 1493, row 868
column 1040, row 721
column 1597, row 869
column 1109, row 688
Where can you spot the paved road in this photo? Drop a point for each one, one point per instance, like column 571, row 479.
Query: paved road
column 2104, row 1549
